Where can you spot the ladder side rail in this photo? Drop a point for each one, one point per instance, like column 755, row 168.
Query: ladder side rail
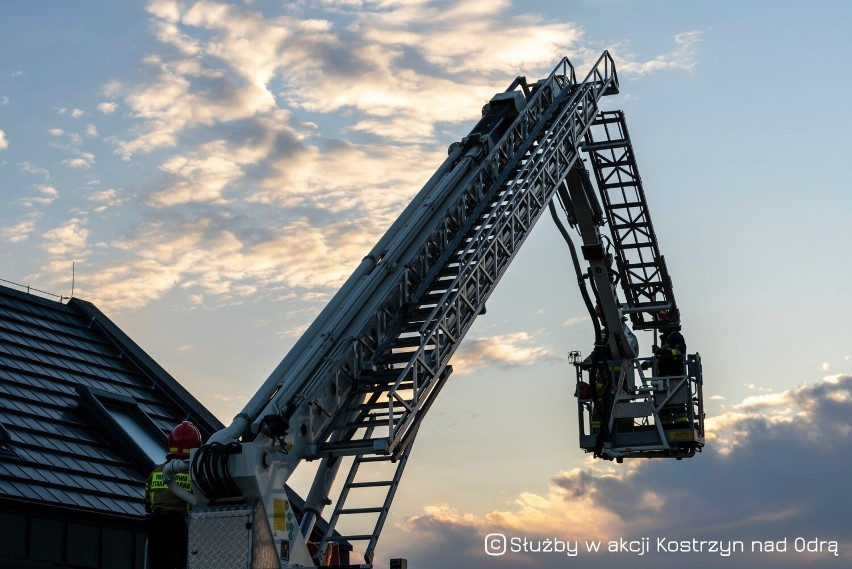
column 402, row 462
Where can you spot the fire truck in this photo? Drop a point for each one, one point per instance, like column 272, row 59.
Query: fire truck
column 350, row 396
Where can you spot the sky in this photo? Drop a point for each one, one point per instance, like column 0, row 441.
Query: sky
column 209, row 172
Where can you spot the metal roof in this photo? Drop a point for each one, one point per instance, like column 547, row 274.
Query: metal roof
column 62, row 367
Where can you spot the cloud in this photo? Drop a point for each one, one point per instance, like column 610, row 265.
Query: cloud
column 107, row 108
column 67, row 239
column 106, row 199
column 46, row 195
column 342, row 178
column 402, row 75
column 532, row 514
column 19, row 232
column 682, row 58
column 201, row 259
column 773, row 469
column 506, row 350
column 294, row 332
column 82, row 163
column 31, row 168
column 318, row 119
column 74, row 113
column 574, row 320
column 80, row 159
column 229, row 398
column 49, row 191
column 64, row 245
column 203, row 174
column 4, row 144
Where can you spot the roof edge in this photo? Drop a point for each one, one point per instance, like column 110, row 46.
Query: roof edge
column 33, row 297
column 182, row 398
column 23, row 506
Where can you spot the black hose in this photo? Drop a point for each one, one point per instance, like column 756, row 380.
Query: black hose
column 577, row 270
column 600, row 340
column 211, row 472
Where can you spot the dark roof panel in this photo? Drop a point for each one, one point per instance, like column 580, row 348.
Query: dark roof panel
column 62, row 453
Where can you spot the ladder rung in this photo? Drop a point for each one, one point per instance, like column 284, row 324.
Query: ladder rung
column 648, row 307
column 635, row 225
column 378, row 484
column 399, row 357
column 418, row 316
column 370, row 406
column 360, row 511
column 623, row 184
column 648, row 265
column 382, row 377
column 381, row 406
column 407, row 342
column 359, row 537
column 355, row 447
column 621, row 162
column 378, row 412
column 450, row 271
column 625, row 205
column 355, row 425
column 433, row 296
column 604, row 145
column 646, row 245
column 379, row 458
column 643, row 285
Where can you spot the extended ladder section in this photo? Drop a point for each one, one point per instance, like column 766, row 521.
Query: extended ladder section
column 446, row 284
column 371, row 485
column 642, row 269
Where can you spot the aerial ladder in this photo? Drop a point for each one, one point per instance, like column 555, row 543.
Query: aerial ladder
column 353, row 391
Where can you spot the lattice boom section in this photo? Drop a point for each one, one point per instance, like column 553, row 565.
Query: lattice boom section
column 645, row 280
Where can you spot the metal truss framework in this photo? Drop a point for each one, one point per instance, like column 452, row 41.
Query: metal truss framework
column 645, row 278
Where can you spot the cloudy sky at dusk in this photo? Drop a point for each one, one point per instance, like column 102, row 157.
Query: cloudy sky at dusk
column 214, row 171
